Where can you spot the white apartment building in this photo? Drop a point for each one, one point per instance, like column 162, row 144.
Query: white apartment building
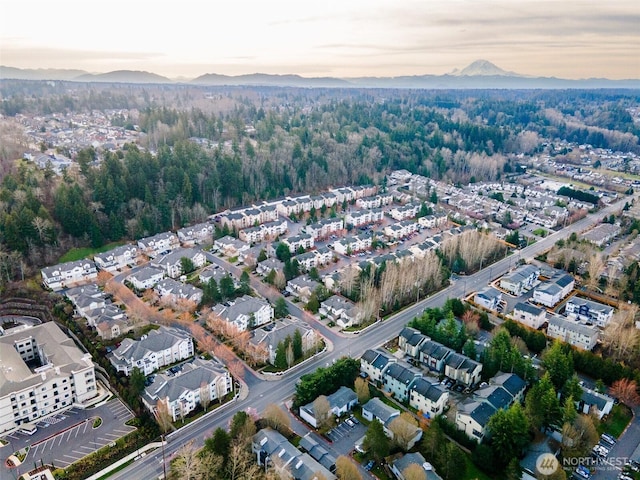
column 63, row 375
column 572, row 332
column 69, row 274
column 155, row 350
column 202, row 381
column 529, row 315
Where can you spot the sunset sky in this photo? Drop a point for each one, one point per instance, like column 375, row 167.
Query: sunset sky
column 345, row 38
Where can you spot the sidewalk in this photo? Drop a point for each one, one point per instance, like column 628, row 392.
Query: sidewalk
column 140, row 452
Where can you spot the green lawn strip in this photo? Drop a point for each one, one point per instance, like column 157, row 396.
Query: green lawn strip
column 117, row 469
column 617, row 421
column 84, row 252
column 472, row 472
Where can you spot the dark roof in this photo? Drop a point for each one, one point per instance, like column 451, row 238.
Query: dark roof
column 400, row 373
column 564, row 280
column 527, row 307
column 370, row 355
column 482, row 413
column 511, row 382
column 497, row 396
column 590, row 397
column 435, row 350
column 381, row 361
column 431, row 391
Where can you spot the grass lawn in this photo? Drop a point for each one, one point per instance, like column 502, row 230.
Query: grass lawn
column 84, row 252
column 617, row 421
column 472, row 472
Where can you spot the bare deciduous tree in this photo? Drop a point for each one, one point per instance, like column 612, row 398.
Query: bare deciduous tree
column 414, row 472
column 163, row 416
column 346, row 469
column 276, row 417
column 404, row 429
column 322, row 411
column 626, row 391
column 362, row 390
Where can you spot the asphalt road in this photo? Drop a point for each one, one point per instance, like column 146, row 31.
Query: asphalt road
column 263, row 393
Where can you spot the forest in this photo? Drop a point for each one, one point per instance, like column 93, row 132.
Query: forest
column 263, row 143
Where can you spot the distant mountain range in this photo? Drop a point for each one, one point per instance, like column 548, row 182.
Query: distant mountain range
column 480, row 74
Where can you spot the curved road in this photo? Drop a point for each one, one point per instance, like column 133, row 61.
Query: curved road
column 263, row 392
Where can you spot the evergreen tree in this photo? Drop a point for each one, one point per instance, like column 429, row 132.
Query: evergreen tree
column 297, row 345
column 376, row 442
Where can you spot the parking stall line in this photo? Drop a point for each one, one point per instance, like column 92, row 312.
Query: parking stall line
column 86, row 448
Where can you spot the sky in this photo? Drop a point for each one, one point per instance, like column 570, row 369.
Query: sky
column 318, row 38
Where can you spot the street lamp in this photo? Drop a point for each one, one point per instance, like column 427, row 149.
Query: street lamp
column 164, row 462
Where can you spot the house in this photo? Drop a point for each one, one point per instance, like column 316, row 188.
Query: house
column 601, row 234
column 410, row 341
column 245, row 312
column 340, row 402
column 404, row 212
column 146, row 278
column 266, row 339
column 529, row 315
column 229, row 246
column 399, row 465
column 358, row 218
column 489, row 298
column 200, row 382
column 272, row 450
column 324, row 228
column 116, row 258
column 462, row 369
column 377, row 409
column 588, row 311
column 109, row 328
column 215, row 272
column 552, row 292
column 520, row 280
column 396, row 380
column 152, row 351
column 171, row 263
column 512, row 383
column 428, row 397
column 434, row 354
column 353, row 244
column 302, row 287
column 574, row 333
column 302, row 241
column 495, row 395
column 196, row 234
column 42, row 371
column 270, row 264
column 373, row 363
column 262, row 232
column 341, row 310
column 172, row 291
column 157, row 244
column 69, row 274
column 472, row 417
column 310, row 443
column 595, row 402
column 433, row 221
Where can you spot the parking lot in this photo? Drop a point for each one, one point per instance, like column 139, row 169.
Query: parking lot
column 344, row 435
column 68, row 436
